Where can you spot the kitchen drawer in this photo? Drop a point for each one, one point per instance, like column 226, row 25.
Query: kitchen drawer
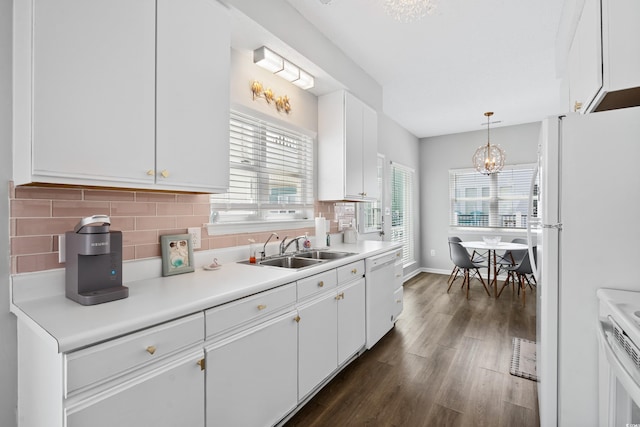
column 350, row 271
column 99, row 362
column 244, row 310
column 398, row 274
column 317, row 283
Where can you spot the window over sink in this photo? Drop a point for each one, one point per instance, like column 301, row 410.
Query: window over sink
column 270, row 174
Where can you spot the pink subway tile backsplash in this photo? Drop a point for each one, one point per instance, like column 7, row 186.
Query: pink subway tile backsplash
column 40, row 214
column 30, row 208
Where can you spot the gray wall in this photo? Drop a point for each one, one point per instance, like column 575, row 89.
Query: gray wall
column 8, row 351
column 441, row 153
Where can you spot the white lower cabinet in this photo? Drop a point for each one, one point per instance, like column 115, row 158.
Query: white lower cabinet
column 252, row 376
column 167, row 396
column 351, row 319
column 318, row 342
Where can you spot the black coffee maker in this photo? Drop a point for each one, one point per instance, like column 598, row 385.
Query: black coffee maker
column 94, row 262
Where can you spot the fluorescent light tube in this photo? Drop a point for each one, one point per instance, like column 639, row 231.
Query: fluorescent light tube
column 305, row 81
column 268, row 59
column 289, row 72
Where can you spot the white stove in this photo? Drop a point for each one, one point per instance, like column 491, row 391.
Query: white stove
column 619, row 357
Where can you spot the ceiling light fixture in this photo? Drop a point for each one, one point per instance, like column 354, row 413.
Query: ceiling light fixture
column 488, row 158
column 409, row 10
column 273, row 62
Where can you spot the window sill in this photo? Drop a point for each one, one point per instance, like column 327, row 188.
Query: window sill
column 219, row 229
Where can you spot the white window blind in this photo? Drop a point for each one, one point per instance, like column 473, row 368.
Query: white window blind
column 402, row 210
column 270, row 174
column 371, row 212
column 498, row 200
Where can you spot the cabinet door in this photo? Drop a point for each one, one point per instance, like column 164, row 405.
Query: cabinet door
column 354, row 146
column 317, row 347
column 252, row 377
column 171, row 395
column 351, row 320
column 93, row 90
column 192, row 140
column 585, row 58
column 369, row 153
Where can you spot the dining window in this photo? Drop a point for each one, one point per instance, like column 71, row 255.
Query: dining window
column 498, row 200
column 402, row 218
column 270, row 174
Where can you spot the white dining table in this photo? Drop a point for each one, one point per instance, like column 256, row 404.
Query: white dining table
column 491, row 249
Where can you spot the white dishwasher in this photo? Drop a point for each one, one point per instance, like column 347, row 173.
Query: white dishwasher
column 380, row 303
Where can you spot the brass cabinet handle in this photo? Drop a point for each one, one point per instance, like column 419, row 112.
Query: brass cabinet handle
column 151, row 349
column 399, row 254
column 399, row 301
column 261, row 307
column 577, row 106
column 151, row 172
column 321, row 283
column 354, row 271
column 340, row 296
column 165, row 173
column 297, row 319
column 201, row 363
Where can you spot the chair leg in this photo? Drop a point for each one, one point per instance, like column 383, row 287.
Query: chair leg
column 483, row 284
column 524, row 290
column 506, row 283
column 466, row 279
column 453, row 274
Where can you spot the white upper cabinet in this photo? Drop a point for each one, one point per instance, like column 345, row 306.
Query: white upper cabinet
column 604, row 61
column 192, row 140
column 122, row 94
column 347, row 148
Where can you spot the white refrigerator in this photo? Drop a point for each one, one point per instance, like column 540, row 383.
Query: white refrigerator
column 588, row 237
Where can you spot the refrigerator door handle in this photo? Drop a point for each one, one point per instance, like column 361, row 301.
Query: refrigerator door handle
column 532, row 260
column 557, row 226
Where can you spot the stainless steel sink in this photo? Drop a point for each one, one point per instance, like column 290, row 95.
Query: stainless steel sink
column 301, row 259
column 324, row 255
column 290, row 262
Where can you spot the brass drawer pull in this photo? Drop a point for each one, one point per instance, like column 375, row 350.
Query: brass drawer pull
column 354, row 271
column 261, row 307
column 321, row 283
column 202, row 364
column 340, row 296
column 165, row 173
column 297, row 319
column 151, row 349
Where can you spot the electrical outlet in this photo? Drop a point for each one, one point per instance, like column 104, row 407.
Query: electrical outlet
column 433, row 252
column 196, row 237
column 62, row 253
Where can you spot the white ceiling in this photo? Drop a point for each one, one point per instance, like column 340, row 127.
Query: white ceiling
column 440, row 74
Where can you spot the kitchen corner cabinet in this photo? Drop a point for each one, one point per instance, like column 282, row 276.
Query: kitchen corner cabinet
column 122, row 94
column 604, row 60
column 347, row 148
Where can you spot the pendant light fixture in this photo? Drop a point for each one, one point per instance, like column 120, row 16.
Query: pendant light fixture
column 488, row 158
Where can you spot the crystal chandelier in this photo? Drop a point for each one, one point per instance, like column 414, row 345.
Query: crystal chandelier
column 488, row 158
column 409, row 10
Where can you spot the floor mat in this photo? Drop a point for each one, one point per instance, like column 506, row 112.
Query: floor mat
column 523, row 359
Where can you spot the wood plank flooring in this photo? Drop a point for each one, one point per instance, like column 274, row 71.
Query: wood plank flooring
column 446, row 363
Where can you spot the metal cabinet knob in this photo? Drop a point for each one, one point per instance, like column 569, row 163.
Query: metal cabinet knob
column 354, row 271
column 151, row 349
column 151, row 172
column 201, row 363
column 321, row 283
column 297, row 319
column 165, row 173
column 577, row 106
column 262, row 307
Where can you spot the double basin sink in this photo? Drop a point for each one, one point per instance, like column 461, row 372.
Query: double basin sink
column 301, row 259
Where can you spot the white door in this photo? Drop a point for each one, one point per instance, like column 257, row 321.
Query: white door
column 351, row 319
column 317, row 342
column 252, row 376
column 170, row 395
column 94, row 90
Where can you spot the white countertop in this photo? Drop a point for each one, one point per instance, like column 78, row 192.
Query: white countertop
column 152, row 301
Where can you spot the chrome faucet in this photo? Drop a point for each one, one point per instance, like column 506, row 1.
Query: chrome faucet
column 284, row 248
column 264, row 247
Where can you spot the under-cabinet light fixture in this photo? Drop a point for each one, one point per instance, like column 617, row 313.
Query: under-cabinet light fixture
column 273, row 62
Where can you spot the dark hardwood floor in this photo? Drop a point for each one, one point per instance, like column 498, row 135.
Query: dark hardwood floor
column 446, row 363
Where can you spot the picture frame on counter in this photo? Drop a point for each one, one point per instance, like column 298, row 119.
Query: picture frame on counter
column 177, row 254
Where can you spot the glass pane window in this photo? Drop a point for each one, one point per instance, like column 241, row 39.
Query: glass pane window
column 371, row 212
column 402, row 210
column 499, row 200
column 271, row 173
